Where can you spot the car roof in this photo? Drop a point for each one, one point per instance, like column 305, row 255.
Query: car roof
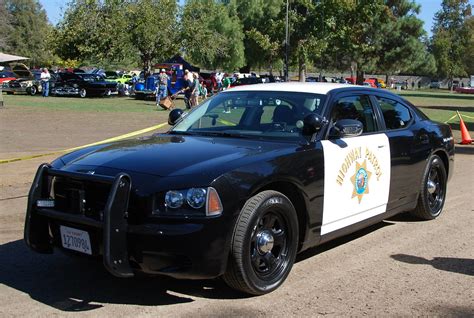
column 316, row 88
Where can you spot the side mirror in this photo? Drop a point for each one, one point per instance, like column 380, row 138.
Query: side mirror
column 312, row 123
column 174, row 116
column 347, row 128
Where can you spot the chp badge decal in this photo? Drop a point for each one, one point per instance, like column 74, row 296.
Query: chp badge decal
column 361, row 177
column 360, row 180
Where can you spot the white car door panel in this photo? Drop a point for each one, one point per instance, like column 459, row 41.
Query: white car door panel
column 356, row 180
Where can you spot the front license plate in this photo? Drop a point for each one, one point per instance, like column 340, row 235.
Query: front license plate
column 75, row 239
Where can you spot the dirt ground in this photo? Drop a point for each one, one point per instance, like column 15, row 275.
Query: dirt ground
column 399, row 267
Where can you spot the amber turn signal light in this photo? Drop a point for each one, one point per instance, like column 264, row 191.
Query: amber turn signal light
column 214, row 205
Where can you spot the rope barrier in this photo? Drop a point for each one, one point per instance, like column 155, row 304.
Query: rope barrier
column 131, row 134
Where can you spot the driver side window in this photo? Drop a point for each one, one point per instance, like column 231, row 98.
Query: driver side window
column 357, row 108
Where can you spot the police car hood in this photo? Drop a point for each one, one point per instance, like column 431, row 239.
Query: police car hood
column 171, row 155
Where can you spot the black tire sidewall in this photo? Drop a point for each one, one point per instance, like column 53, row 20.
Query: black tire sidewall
column 32, row 90
column 283, row 206
column 434, row 161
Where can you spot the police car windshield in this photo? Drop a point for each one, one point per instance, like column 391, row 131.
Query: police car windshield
column 252, row 114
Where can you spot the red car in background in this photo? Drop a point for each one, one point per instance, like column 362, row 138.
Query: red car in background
column 7, row 76
column 367, row 82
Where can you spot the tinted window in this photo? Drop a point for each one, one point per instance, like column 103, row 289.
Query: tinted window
column 355, row 107
column 396, row 115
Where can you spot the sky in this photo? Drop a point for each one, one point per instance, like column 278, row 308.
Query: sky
column 55, row 9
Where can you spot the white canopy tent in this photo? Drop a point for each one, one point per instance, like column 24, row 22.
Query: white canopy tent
column 11, row 58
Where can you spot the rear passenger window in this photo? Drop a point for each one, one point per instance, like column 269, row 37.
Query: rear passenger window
column 396, row 115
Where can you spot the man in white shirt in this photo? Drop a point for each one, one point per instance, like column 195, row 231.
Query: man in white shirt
column 45, row 77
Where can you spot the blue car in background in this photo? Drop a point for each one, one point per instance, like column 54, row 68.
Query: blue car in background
column 147, row 88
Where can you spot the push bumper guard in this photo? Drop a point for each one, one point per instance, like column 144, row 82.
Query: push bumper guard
column 114, row 223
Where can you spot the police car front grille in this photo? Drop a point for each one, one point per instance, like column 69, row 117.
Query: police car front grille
column 80, row 197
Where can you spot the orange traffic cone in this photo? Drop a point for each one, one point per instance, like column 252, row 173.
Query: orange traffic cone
column 465, row 137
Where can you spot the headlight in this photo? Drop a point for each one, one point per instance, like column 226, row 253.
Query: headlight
column 174, row 199
column 190, row 202
column 24, row 84
column 196, row 198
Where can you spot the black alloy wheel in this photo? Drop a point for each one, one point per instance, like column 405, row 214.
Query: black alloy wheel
column 264, row 244
column 433, row 190
column 269, row 248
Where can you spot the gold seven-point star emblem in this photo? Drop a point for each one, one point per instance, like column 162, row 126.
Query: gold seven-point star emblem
column 360, row 180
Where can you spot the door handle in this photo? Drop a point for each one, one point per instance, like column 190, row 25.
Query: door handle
column 381, row 146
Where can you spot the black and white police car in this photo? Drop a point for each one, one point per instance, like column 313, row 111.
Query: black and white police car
column 242, row 183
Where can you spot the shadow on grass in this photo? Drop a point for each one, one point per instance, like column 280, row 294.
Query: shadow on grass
column 444, row 96
column 74, row 284
column 469, row 126
column 451, row 108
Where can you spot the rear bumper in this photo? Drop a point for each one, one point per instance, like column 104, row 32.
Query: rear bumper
column 187, row 249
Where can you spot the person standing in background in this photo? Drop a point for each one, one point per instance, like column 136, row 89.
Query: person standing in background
column 219, row 77
column 226, row 82
column 162, row 86
column 195, row 90
column 187, row 89
column 45, row 77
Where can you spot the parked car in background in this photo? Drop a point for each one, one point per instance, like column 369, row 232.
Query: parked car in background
column 7, row 76
column 82, row 85
column 378, row 82
column 246, row 81
column 455, row 84
column 27, row 82
column 370, row 82
column 435, row 84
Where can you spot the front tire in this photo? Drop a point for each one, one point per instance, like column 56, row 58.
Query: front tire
column 264, row 244
column 32, row 90
column 82, row 93
column 433, row 190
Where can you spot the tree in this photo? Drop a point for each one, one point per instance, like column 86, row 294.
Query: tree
column 153, row 29
column 359, row 39
column 5, row 22
column 403, row 48
column 264, row 26
column 451, row 38
column 469, row 52
column 212, row 34
column 95, row 31
column 29, row 31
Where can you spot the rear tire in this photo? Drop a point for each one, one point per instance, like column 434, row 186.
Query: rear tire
column 264, row 244
column 433, row 190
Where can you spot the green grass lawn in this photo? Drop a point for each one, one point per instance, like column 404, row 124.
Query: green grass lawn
column 441, row 105
column 438, row 105
column 97, row 104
